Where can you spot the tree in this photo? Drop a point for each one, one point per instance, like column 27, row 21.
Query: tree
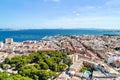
column 13, row 65
column 85, row 69
column 7, row 60
column 20, row 61
column 44, row 75
column 56, row 59
column 38, row 66
column 3, row 75
column 6, row 66
column 29, row 71
column 67, row 61
column 53, row 67
column 61, row 67
column 43, row 65
column 17, row 77
column 49, row 62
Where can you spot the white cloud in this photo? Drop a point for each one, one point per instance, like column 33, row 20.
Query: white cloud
column 76, row 13
column 101, row 22
column 84, row 22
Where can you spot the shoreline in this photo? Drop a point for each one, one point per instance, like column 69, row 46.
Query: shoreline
column 38, row 34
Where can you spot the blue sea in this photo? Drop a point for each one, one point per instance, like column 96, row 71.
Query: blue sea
column 38, row 34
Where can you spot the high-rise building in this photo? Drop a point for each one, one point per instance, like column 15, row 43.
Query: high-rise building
column 9, row 40
column 1, row 44
column 74, row 58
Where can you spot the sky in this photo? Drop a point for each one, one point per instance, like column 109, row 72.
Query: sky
column 59, row 14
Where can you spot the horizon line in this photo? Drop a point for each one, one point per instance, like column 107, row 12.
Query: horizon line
column 57, row 28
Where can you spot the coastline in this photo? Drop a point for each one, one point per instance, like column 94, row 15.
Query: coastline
column 38, row 34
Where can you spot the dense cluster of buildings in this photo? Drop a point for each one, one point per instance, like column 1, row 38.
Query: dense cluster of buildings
column 91, row 50
column 102, row 71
